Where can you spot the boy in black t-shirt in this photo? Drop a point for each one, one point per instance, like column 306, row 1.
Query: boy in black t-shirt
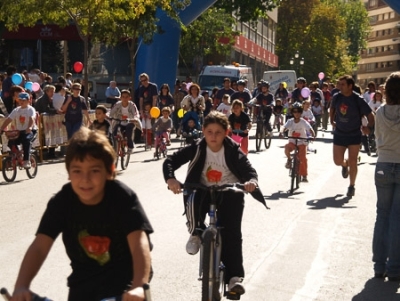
column 105, row 230
column 101, row 124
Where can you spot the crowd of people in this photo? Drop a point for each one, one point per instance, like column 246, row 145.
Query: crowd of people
column 214, row 115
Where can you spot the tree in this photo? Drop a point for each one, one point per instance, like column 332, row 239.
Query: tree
column 247, row 11
column 88, row 16
column 211, row 33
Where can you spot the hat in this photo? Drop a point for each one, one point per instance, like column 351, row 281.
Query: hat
column 23, row 96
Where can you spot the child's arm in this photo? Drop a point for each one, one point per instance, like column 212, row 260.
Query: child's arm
column 33, row 260
column 5, row 124
column 140, row 251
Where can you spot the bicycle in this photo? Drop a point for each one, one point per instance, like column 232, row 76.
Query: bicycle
column 211, row 268
column 146, row 287
column 262, row 132
column 15, row 159
column 160, row 145
column 295, row 166
column 121, row 145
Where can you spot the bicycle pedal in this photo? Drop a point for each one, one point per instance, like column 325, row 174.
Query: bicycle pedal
column 232, row 296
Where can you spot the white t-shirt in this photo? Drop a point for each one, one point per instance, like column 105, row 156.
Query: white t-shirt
column 215, row 168
column 374, row 106
column 225, row 109
column 308, row 115
column 298, row 129
column 21, row 117
column 58, row 101
column 125, row 114
column 317, row 110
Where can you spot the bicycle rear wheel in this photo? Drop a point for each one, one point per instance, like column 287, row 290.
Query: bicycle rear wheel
column 125, row 156
column 9, row 169
column 32, row 172
column 259, row 131
column 207, row 267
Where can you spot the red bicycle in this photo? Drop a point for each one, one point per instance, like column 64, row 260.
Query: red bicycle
column 15, row 159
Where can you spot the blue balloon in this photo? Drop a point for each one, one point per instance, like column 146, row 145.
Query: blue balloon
column 16, row 78
column 28, row 86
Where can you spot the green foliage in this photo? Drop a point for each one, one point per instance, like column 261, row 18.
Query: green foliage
column 327, row 33
column 203, row 37
column 247, row 11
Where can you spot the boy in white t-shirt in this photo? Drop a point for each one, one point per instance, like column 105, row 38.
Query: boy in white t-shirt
column 225, row 106
column 297, row 127
column 24, row 117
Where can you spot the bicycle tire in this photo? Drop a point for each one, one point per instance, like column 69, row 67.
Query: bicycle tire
column 219, row 283
column 9, row 169
column 157, row 153
column 116, row 149
column 278, row 126
column 125, row 156
column 32, row 172
column 267, row 139
column 297, row 162
column 207, row 268
column 293, row 174
column 259, row 130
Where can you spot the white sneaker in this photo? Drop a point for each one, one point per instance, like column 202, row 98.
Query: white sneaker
column 288, row 164
column 236, row 286
column 193, row 245
column 130, row 150
column 26, row 164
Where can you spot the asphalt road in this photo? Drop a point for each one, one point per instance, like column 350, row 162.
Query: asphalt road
column 313, row 245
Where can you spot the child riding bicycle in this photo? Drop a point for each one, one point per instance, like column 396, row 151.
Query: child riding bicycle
column 163, row 126
column 216, row 159
column 298, row 128
column 105, row 230
column 126, row 111
column 24, row 116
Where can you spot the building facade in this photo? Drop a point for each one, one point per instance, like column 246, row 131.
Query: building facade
column 382, row 54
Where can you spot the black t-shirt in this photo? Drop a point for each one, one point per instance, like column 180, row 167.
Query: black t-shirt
column 165, row 101
column 239, row 122
column 265, row 99
column 74, row 110
column 95, row 237
column 242, row 96
column 147, row 94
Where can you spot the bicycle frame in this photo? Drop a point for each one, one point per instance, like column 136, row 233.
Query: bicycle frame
column 294, row 170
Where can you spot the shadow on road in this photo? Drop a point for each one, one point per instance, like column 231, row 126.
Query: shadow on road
column 281, row 195
column 377, row 289
column 338, row 201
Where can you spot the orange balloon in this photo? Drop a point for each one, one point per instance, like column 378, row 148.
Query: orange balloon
column 154, row 112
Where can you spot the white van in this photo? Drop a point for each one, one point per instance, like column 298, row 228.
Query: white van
column 276, row 77
column 213, row 76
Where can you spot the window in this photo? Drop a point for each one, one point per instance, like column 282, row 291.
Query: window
column 372, row 3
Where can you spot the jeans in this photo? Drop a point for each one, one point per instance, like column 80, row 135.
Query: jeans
column 72, row 128
column 386, row 240
column 25, row 139
column 128, row 130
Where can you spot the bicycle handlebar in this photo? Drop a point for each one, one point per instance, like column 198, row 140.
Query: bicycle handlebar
column 236, row 187
column 300, row 138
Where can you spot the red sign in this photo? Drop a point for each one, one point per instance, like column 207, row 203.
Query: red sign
column 43, row 32
column 252, row 49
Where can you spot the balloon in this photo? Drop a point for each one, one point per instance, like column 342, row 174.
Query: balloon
column 78, row 67
column 154, row 112
column 305, row 92
column 16, row 78
column 321, row 75
column 181, row 112
column 28, row 86
column 284, row 84
column 35, row 87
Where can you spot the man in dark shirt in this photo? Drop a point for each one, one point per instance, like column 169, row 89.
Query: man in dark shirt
column 221, row 92
column 241, row 94
column 148, row 92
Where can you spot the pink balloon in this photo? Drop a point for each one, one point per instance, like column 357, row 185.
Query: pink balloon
column 35, row 87
column 321, row 75
column 305, row 92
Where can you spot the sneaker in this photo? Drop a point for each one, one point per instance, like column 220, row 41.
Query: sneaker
column 304, row 179
column 168, row 143
column 288, row 164
column 26, row 164
column 345, row 172
column 351, row 191
column 236, row 286
column 193, row 245
column 130, row 150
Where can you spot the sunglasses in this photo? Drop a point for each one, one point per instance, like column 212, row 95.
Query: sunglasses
column 295, row 112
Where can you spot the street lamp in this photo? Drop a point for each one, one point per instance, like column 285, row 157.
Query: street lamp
column 297, row 61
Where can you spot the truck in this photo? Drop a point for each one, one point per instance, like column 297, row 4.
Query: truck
column 277, row 76
column 213, row 76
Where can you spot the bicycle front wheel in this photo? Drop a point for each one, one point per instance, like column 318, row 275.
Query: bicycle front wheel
column 116, row 149
column 207, row 267
column 32, row 172
column 267, row 138
column 125, row 156
column 294, row 175
column 9, row 169
column 259, row 130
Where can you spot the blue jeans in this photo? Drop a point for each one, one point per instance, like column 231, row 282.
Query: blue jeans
column 386, row 240
column 72, row 128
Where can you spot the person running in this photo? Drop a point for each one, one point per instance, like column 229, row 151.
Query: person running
column 216, row 153
column 346, row 112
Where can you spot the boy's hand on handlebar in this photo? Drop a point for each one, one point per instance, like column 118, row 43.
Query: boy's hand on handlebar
column 21, row 294
column 136, row 294
column 174, row 186
column 250, row 186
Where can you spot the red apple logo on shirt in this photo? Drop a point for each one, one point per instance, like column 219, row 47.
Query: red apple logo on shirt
column 343, row 109
column 95, row 247
column 213, row 175
column 124, row 117
column 73, row 105
column 22, row 119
